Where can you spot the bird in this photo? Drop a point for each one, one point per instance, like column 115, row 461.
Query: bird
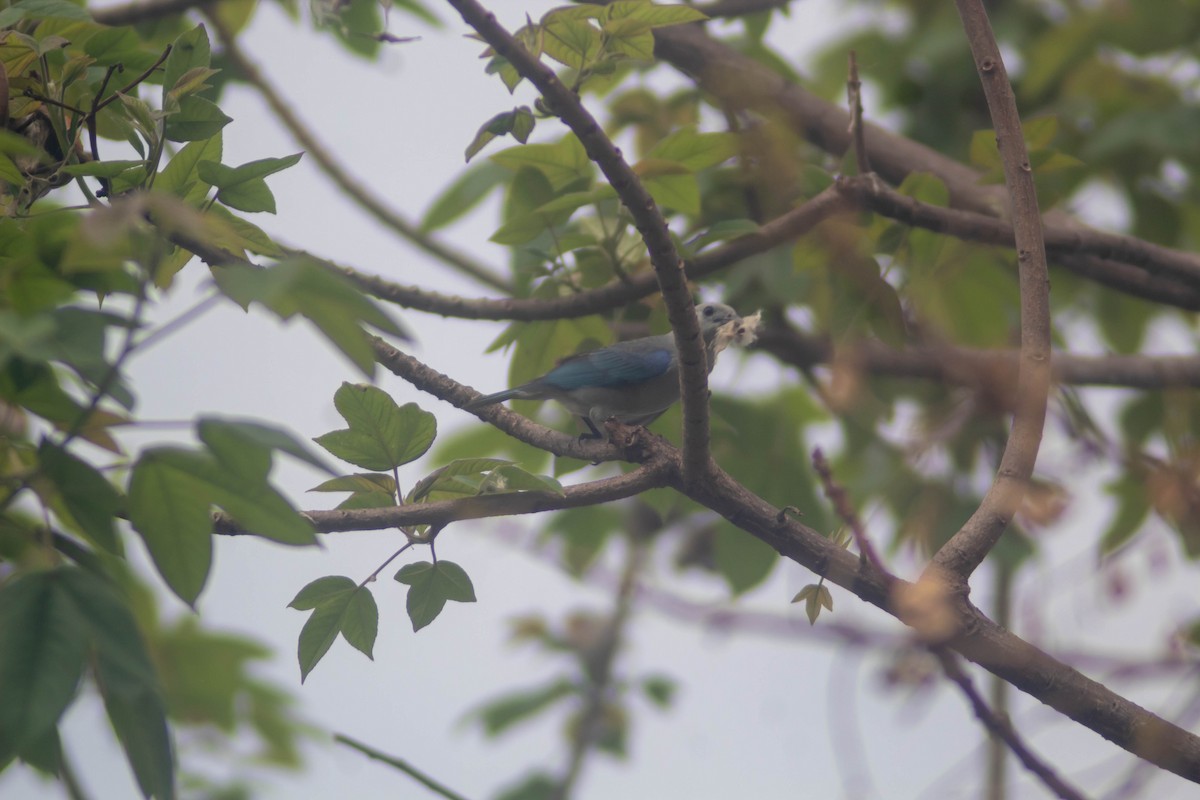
column 633, row 381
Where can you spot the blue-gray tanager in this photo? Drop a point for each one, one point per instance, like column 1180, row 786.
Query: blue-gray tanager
column 633, row 381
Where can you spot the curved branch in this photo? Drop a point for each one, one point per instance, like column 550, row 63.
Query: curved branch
column 1001, row 652
column 970, row 367
column 782, row 229
column 351, row 187
column 1103, row 257
column 967, row 548
column 440, row 514
column 739, row 82
column 668, row 266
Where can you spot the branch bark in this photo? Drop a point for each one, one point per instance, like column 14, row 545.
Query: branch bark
column 668, row 266
column 740, row 83
column 652, row 475
column 972, row 367
column 959, row 557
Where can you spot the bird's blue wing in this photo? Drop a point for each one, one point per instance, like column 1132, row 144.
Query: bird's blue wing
column 609, row 367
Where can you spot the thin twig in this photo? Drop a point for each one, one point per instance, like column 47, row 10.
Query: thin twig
column 857, row 134
column 1001, row 727
column 841, row 504
column 100, row 106
column 400, row 764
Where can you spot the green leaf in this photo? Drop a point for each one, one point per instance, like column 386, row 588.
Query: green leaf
column 103, row 169
column 382, row 435
column 562, row 163
column 654, row 15
column 742, row 560
column 1133, row 506
column 113, row 46
column 301, row 285
column 519, row 122
column 660, row 690
column 430, row 586
column 576, row 43
column 696, row 151
column 173, row 519
column 236, row 442
column 511, row 478
column 42, row 649
column 500, row 714
column 584, row 532
column 42, row 9
column 237, row 233
column 180, row 176
column 361, row 482
column 88, row 496
column 9, row 171
column 678, row 192
column 723, row 231
column 243, row 187
column 448, row 481
column 170, row 494
column 322, row 590
column 189, row 51
column 468, row 191
column 339, row 606
column 127, row 680
column 196, row 119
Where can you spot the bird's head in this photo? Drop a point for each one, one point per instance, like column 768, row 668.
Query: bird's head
column 713, row 316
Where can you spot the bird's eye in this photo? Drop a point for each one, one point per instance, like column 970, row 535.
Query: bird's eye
column 708, row 311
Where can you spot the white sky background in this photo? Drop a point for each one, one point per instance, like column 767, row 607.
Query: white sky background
column 755, row 717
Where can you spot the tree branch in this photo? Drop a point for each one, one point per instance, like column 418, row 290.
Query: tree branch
column 972, row 367
column 440, row 514
column 959, row 557
column 351, row 187
column 740, row 83
column 1122, row 262
column 1000, row 727
column 980, row 640
column 668, row 266
column 618, row 293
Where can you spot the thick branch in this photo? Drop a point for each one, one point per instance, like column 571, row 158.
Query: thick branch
column 1102, row 257
column 350, row 186
column 780, row 230
column 959, row 557
column 442, row 513
column 997, row 650
column 668, row 266
column 972, row 367
column 738, row 82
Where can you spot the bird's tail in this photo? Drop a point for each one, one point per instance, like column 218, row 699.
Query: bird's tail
column 492, row 399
